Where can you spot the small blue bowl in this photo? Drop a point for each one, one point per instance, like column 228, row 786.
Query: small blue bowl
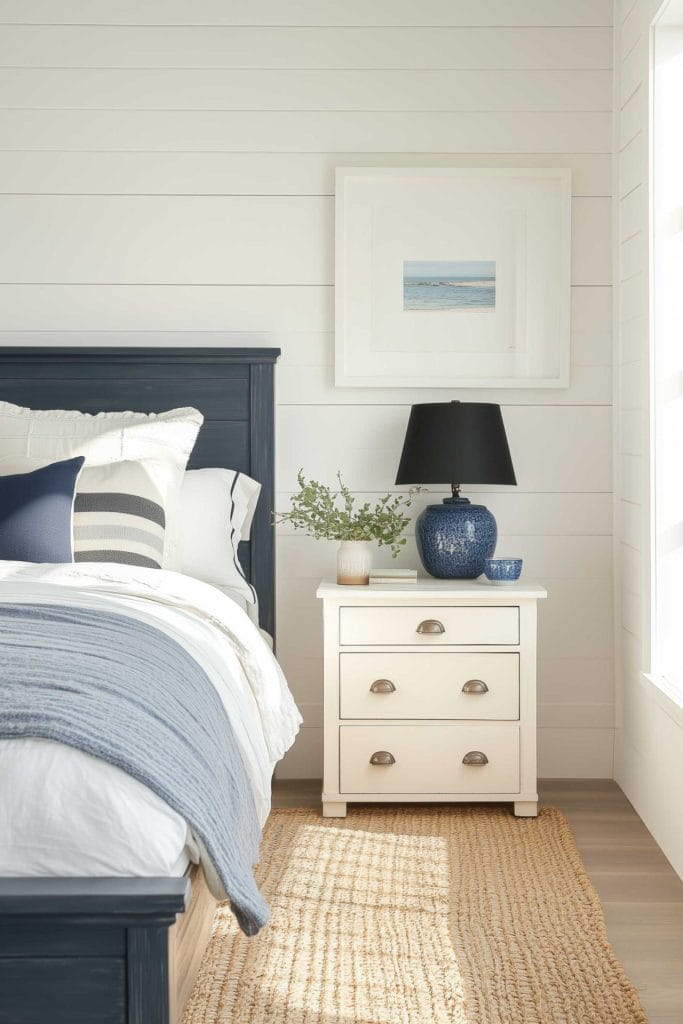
column 503, row 570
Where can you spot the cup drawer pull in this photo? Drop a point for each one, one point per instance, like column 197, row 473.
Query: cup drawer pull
column 382, row 686
column 475, row 757
column 382, row 757
column 475, row 686
column 431, row 627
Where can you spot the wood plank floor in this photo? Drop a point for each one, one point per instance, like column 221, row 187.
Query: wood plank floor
column 641, row 894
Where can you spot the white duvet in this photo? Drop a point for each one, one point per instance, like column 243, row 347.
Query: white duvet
column 64, row 812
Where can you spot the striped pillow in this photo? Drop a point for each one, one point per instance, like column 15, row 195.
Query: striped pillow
column 119, row 515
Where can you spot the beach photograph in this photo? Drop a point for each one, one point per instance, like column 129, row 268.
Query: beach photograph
column 449, row 285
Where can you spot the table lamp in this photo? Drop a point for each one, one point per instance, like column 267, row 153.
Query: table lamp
column 455, row 443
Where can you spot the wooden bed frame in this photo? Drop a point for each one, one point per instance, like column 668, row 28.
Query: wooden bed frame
column 127, row 950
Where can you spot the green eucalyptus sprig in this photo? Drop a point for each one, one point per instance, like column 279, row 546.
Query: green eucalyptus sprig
column 333, row 515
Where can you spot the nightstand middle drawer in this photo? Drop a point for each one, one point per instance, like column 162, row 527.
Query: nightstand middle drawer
column 429, row 685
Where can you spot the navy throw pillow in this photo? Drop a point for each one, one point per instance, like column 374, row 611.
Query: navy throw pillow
column 36, row 513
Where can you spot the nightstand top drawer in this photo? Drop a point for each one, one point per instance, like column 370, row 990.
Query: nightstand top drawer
column 428, row 625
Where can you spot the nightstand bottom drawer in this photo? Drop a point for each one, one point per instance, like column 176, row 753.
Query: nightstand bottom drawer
column 428, row 759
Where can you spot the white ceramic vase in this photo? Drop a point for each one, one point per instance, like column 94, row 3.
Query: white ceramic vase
column 354, row 561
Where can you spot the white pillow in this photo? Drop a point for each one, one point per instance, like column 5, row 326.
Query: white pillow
column 165, row 440
column 215, row 513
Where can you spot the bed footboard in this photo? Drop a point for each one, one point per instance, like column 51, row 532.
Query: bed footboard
column 87, row 950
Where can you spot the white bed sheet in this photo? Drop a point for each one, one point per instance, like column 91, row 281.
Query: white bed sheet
column 64, row 812
column 249, row 608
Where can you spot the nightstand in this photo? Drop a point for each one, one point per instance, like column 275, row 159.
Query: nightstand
column 430, row 693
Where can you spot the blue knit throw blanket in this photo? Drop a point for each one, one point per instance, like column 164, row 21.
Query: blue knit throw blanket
column 127, row 693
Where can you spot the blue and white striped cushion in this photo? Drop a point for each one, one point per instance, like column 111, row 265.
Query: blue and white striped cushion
column 119, row 515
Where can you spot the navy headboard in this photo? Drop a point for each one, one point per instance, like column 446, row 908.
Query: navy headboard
column 232, row 387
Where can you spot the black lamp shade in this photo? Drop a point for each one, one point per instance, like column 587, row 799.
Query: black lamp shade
column 456, row 443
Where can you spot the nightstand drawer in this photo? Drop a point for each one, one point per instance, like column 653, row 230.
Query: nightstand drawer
column 428, row 759
column 429, row 684
column 423, row 625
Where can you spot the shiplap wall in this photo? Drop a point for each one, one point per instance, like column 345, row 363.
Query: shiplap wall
column 167, row 173
column 649, row 735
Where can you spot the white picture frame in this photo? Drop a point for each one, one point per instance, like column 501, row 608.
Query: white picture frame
column 452, row 277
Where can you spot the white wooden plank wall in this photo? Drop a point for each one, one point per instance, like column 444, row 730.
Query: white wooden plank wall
column 649, row 734
column 167, row 173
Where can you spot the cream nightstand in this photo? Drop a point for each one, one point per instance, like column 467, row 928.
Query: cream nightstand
column 430, row 693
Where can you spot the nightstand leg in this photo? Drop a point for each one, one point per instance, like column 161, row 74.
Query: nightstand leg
column 334, row 808
column 526, row 808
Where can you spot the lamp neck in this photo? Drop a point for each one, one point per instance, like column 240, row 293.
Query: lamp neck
column 455, row 498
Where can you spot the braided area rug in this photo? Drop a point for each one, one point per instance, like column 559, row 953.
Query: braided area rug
column 418, row 915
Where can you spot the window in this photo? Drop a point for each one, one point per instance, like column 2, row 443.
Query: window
column 667, row 365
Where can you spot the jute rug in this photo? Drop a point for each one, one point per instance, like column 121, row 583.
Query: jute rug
column 419, row 915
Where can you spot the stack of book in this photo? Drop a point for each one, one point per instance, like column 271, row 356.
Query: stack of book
column 384, row 576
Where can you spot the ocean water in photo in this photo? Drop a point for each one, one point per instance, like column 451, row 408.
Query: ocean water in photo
column 430, row 293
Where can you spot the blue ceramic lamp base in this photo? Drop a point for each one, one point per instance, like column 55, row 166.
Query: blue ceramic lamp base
column 454, row 539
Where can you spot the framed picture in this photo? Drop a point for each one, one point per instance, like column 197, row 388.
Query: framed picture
column 452, row 277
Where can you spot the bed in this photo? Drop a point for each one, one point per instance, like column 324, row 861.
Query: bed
column 116, row 948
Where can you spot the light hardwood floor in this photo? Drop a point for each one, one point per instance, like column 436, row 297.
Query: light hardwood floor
column 641, row 894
